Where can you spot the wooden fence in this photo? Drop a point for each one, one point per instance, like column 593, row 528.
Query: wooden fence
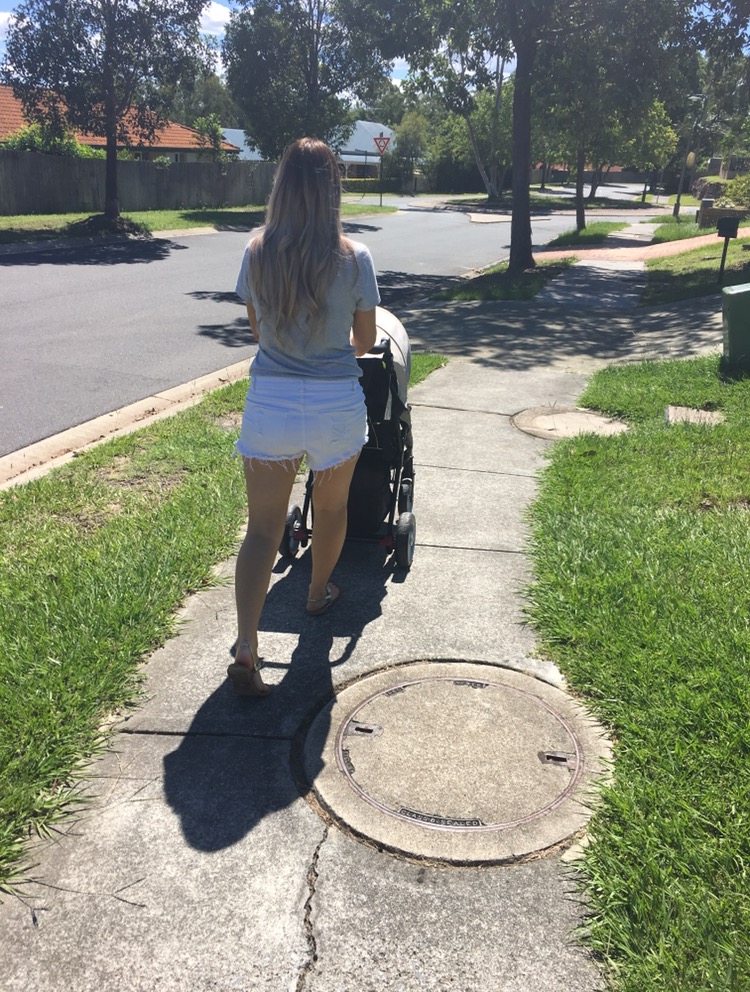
column 31, row 183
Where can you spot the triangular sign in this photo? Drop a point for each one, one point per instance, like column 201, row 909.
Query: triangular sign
column 382, row 143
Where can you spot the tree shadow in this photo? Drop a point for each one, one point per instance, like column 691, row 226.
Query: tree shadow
column 526, row 336
column 232, row 334
column 351, row 227
column 402, row 289
column 233, row 768
column 121, row 252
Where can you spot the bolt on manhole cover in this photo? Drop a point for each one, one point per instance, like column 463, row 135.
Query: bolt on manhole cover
column 565, row 421
column 457, row 762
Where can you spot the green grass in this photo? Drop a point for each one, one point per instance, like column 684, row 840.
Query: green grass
column 496, row 284
column 676, row 229
column 695, row 273
column 593, row 234
column 94, row 560
column 640, row 550
column 35, row 227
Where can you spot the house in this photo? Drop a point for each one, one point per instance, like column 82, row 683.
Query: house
column 237, row 137
column 179, row 143
column 359, row 155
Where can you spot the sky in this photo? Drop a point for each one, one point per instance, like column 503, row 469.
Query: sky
column 213, row 22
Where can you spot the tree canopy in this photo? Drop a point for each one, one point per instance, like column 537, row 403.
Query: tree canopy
column 291, row 65
column 101, row 66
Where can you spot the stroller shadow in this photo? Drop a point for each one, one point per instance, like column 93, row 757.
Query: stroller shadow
column 222, row 783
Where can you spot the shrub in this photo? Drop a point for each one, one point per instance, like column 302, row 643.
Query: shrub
column 36, row 138
column 736, row 193
column 371, row 185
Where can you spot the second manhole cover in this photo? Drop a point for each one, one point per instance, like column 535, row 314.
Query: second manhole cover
column 457, row 762
column 565, row 421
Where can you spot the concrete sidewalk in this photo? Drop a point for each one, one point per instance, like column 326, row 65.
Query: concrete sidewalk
column 198, row 864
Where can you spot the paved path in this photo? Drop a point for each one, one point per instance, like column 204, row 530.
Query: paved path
column 198, row 864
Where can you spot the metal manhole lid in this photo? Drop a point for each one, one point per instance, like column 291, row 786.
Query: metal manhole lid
column 454, row 761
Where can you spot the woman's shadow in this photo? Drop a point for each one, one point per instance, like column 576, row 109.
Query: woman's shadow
column 242, row 758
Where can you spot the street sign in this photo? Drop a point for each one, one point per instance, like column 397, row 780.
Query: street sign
column 382, row 143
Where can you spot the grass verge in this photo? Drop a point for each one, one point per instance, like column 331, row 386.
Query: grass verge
column 496, row 284
column 593, row 234
column 695, row 272
column 95, row 558
column 676, row 229
column 640, row 548
column 35, row 227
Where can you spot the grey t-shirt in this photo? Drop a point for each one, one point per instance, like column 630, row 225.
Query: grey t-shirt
column 329, row 353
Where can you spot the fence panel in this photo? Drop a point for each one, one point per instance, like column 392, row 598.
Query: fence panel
column 31, row 183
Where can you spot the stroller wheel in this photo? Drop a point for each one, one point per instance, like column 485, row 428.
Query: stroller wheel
column 290, row 540
column 405, row 539
column 406, row 496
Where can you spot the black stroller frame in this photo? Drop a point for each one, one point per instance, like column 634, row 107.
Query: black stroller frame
column 382, row 490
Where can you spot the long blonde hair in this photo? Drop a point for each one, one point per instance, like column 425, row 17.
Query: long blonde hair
column 296, row 254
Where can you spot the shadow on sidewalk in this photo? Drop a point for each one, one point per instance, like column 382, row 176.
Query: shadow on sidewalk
column 222, row 781
column 526, row 336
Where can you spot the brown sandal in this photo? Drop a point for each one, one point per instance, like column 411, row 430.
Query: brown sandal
column 315, row 607
column 246, row 680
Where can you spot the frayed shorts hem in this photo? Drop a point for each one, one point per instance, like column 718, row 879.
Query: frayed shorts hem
column 293, row 461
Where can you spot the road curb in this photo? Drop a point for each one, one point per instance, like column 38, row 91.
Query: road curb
column 36, row 460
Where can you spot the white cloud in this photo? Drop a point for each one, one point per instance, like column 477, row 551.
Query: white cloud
column 5, row 18
column 214, row 19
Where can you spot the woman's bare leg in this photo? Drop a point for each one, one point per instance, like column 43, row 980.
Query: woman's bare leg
column 330, row 496
column 269, row 485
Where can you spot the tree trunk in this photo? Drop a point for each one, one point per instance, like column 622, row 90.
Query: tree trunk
column 111, row 195
column 521, row 256
column 580, row 205
column 489, row 189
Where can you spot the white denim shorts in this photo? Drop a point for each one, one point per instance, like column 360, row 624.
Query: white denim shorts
column 287, row 417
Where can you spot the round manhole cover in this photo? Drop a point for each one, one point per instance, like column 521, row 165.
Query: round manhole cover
column 456, row 762
column 565, row 421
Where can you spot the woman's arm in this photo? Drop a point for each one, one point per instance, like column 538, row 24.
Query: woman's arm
column 364, row 331
column 253, row 321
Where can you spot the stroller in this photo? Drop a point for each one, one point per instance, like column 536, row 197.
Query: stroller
column 382, row 489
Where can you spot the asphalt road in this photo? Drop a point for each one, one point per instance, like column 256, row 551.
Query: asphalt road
column 88, row 329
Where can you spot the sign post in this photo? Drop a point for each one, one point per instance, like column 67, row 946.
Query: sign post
column 381, row 143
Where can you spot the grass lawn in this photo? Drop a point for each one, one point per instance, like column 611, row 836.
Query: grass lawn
column 593, row 234
column 496, row 284
column 95, row 559
column 44, row 226
column 695, row 273
column 676, row 229
column 640, row 552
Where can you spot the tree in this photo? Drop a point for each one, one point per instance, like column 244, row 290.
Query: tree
column 200, row 97
column 386, row 104
column 289, row 62
column 651, row 146
column 210, row 137
column 604, row 67
column 98, row 66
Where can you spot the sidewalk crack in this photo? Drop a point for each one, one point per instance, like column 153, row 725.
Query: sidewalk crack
column 312, row 943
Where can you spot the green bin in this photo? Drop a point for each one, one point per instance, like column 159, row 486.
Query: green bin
column 736, row 310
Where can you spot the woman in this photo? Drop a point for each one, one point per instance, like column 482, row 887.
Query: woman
column 311, row 295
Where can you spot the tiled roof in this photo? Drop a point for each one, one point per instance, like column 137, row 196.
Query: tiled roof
column 171, row 137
